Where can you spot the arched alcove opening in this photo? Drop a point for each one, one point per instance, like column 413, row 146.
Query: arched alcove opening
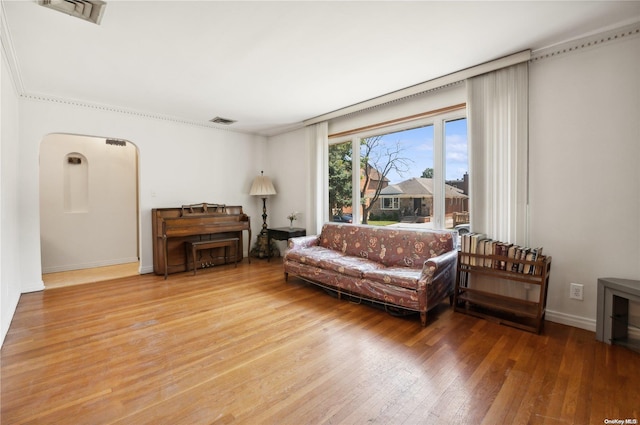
column 89, row 215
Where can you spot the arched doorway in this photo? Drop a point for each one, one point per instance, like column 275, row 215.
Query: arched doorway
column 88, row 209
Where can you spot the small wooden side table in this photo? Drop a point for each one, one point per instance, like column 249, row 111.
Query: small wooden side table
column 283, row 234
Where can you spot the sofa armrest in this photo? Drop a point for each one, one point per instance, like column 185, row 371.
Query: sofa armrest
column 303, row 242
column 442, row 266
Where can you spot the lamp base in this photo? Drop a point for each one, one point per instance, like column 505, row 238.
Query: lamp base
column 261, row 248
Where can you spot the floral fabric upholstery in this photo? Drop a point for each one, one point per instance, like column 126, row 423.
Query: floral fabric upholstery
column 375, row 290
column 352, row 266
column 397, row 276
column 412, row 269
column 386, row 245
column 313, row 255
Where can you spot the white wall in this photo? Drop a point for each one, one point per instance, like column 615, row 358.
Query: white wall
column 179, row 164
column 585, row 178
column 289, row 165
column 10, row 247
column 88, row 211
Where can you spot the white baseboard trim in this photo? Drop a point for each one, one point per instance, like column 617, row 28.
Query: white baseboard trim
column 571, row 320
column 104, row 263
column 146, row 269
column 34, row 287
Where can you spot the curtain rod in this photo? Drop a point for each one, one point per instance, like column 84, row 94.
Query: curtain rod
column 504, row 62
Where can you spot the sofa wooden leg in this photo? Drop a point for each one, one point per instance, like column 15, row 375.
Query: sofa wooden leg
column 450, row 300
column 286, row 276
column 423, row 319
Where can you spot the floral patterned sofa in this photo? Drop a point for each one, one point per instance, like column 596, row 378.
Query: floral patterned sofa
column 399, row 267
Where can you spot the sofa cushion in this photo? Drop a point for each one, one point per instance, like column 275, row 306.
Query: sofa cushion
column 351, row 266
column 312, row 256
column 344, row 238
column 391, row 246
column 404, row 277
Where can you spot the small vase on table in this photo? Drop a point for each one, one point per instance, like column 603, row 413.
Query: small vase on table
column 293, row 216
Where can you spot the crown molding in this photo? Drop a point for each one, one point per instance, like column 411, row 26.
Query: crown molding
column 590, row 41
column 269, row 132
column 131, row 112
column 280, row 130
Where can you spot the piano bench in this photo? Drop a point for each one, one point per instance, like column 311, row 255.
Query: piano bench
column 195, row 246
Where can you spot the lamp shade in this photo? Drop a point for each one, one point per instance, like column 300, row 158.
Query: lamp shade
column 262, row 186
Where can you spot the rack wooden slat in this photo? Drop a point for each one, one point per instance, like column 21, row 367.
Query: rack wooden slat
column 505, row 309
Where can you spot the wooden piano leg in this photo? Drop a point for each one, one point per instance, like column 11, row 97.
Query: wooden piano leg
column 166, row 257
column 194, row 252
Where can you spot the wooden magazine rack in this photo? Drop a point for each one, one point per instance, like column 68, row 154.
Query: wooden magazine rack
column 508, row 310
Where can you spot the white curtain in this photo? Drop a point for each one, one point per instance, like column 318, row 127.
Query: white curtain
column 318, row 179
column 497, row 105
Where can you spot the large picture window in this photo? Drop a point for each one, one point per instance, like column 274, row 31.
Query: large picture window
column 415, row 173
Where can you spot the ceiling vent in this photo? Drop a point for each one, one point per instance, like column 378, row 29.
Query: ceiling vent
column 88, row 10
column 116, row 142
column 220, row 120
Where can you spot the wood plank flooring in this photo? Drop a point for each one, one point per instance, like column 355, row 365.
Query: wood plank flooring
column 92, row 275
column 242, row 346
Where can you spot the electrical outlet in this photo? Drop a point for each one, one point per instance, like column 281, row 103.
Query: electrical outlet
column 576, row 291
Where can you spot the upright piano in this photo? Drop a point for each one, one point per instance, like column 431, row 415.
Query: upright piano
column 172, row 227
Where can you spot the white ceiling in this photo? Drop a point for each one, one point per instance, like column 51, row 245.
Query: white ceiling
column 270, row 65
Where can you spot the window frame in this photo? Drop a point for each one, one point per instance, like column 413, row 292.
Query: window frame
column 395, row 203
column 439, row 161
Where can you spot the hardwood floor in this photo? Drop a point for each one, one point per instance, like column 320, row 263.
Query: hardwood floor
column 241, row 346
column 92, row 275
